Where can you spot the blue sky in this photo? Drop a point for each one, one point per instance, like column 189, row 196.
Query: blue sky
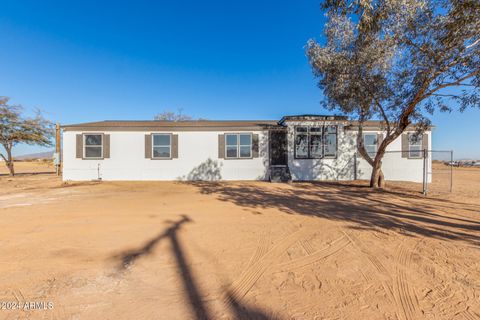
column 83, row 61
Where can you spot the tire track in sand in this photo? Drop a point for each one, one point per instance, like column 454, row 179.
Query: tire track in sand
column 307, row 246
column 262, row 249
column 404, row 293
column 401, row 293
column 469, row 316
column 385, row 276
column 253, row 272
column 333, row 248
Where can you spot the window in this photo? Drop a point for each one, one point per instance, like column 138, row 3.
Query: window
column 330, row 142
column 301, row 142
column 370, row 141
column 316, row 145
column 161, row 146
column 93, row 146
column 238, row 145
column 415, row 146
column 315, row 142
column 245, row 145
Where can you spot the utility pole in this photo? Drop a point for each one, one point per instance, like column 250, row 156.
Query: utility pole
column 56, row 157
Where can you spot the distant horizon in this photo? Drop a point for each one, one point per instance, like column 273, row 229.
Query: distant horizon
column 53, row 150
column 214, row 60
column 23, row 149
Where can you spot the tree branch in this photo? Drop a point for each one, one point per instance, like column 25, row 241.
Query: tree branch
column 473, row 44
column 403, row 120
column 445, row 95
column 384, row 115
column 466, row 85
column 451, row 64
column 451, row 84
column 413, row 44
column 360, row 143
column 382, row 110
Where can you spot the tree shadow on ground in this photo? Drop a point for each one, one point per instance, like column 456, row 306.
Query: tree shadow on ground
column 361, row 207
column 209, row 170
column 198, row 309
column 241, row 311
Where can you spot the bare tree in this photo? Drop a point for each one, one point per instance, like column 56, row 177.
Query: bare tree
column 173, row 116
column 398, row 61
column 15, row 128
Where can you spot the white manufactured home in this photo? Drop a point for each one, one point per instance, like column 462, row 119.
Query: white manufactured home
column 305, row 147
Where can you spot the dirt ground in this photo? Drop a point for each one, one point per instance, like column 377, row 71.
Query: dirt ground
column 236, row 250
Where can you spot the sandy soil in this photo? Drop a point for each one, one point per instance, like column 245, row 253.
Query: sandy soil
column 464, row 183
column 249, row 250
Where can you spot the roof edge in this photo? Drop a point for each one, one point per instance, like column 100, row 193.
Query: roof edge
column 183, row 123
column 312, row 117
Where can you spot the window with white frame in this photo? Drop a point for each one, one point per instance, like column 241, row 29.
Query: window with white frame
column 370, row 140
column 315, row 142
column 93, row 146
column 238, row 145
column 161, row 146
column 415, row 142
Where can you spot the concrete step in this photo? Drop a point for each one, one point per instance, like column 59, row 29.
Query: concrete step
column 280, row 174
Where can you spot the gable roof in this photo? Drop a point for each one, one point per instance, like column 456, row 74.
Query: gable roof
column 218, row 125
column 191, row 125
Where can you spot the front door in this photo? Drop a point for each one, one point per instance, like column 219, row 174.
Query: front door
column 278, row 147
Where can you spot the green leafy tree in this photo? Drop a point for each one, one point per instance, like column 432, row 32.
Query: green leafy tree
column 398, row 61
column 15, row 128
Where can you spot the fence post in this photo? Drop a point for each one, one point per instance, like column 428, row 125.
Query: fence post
column 451, row 171
column 425, row 172
column 355, row 166
column 57, row 156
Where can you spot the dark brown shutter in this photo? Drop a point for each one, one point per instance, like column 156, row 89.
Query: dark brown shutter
column 255, row 145
column 79, row 146
column 174, row 146
column 148, row 146
column 405, row 145
column 221, row 146
column 106, row 146
column 425, row 141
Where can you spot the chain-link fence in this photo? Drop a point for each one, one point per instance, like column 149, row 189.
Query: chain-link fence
column 440, row 172
column 424, row 171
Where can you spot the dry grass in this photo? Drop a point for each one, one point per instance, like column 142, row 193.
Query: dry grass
column 238, row 250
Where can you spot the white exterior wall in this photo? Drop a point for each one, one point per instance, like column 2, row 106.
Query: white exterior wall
column 197, row 159
column 340, row 168
column 395, row 168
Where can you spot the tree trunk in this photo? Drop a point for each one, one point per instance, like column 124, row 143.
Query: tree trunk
column 377, row 179
column 11, row 169
column 9, row 162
